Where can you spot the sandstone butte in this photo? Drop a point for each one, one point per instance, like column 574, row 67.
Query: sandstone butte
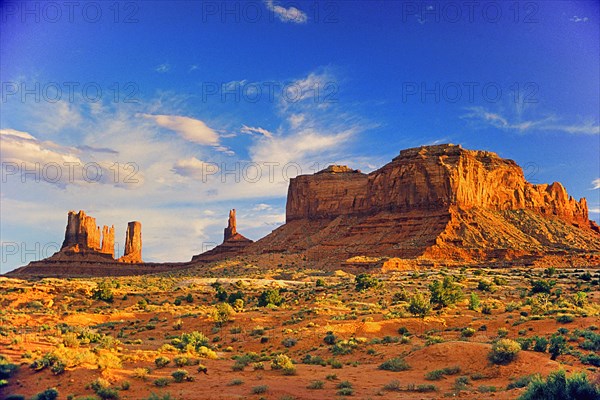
column 432, row 205
column 84, row 241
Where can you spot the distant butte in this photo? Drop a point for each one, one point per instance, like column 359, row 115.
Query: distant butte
column 431, row 205
column 233, row 243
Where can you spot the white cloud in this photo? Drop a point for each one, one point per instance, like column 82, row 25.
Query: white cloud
column 162, row 68
column 290, row 14
column 192, row 130
column 296, row 120
column 548, row 124
column 298, row 147
column 262, row 207
column 576, row 19
column 194, row 168
column 250, row 130
column 33, row 160
column 596, row 183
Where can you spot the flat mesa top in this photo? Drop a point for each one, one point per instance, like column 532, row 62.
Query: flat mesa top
column 339, row 169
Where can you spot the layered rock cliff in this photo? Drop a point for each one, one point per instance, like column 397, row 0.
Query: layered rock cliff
column 433, row 201
column 429, row 178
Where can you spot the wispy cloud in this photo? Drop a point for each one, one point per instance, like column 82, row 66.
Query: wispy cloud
column 190, row 129
column 250, row 130
column 162, row 68
column 596, row 183
column 47, row 161
column 289, row 14
column 547, row 124
column 576, row 19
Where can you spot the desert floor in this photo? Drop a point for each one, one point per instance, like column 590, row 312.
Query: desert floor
column 338, row 337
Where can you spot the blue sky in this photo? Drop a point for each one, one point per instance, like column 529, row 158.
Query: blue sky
column 171, row 113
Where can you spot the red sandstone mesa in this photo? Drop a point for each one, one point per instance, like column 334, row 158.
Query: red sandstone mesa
column 435, row 202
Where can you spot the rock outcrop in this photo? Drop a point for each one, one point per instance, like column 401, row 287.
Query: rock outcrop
column 133, row 243
column 84, row 237
column 231, row 229
column 429, row 178
column 108, row 240
column 233, row 244
column 436, row 202
column 86, row 242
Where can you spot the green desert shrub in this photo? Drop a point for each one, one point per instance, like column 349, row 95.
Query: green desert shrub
column 504, row 351
column 270, row 297
column 162, row 382
column 316, row 385
column 103, row 291
column 396, row 364
column 419, row 305
column 162, row 361
column 48, row 394
column 181, row 375
column 364, row 282
column 260, row 389
column 558, row 386
column 445, row 292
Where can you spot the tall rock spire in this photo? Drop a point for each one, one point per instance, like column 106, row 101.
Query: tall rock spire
column 231, row 229
column 133, row 243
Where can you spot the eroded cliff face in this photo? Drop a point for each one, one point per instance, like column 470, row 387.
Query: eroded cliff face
column 82, row 235
column 439, row 202
column 327, row 194
column 430, row 178
column 133, row 243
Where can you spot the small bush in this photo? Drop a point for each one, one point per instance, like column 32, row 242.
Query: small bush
column 103, row 291
column 289, row 342
column 560, row 387
column 419, row 305
column 48, row 394
column 395, row 364
column 316, row 385
column 284, row 363
column 260, row 389
column 445, row 292
column 365, row 281
column 504, row 351
column 235, row 382
column 345, row 392
column 270, row 296
column 162, row 362
column 330, row 338
column 541, row 343
column 474, row 302
column 467, row 332
column 520, row 382
column 393, row 386
column 434, row 375
column 162, row 382
column 565, row 318
column 141, row 373
column 542, row 286
column 181, row 375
